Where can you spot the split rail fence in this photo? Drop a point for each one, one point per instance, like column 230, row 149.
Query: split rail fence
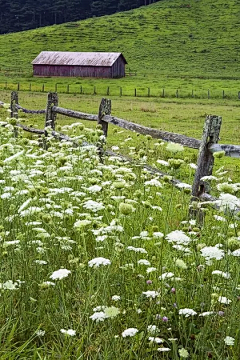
column 207, row 146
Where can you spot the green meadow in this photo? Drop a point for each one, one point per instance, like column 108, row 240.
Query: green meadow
column 99, row 258
column 190, row 47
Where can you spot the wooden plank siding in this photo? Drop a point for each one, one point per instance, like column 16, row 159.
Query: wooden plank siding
column 72, row 70
column 105, row 69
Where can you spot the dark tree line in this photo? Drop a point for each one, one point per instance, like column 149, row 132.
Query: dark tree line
column 19, row 15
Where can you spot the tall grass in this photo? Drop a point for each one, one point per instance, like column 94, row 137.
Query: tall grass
column 99, row 260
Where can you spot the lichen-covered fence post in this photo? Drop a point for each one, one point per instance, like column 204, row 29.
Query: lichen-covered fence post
column 14, row 111
column 14, row 102
column 205, row 160
column 104, row 109
column 50, row 119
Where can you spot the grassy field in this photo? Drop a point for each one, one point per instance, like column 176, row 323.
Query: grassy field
column 101, row 261
column 183, row 116
column 190, row 47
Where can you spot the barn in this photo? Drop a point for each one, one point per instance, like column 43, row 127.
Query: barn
column 79, row 64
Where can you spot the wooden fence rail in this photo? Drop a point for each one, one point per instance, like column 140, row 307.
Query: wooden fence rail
column 207, row 146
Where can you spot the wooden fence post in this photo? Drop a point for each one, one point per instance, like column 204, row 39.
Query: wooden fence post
column 50, row 118
column 148, row 92
column 104, row 109
column 205, row 160
column 14, row 111
column 14, row 102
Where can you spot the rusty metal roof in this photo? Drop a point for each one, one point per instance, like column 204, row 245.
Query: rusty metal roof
column 77, row 58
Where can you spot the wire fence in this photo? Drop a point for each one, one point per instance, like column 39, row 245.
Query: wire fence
column 87, row 89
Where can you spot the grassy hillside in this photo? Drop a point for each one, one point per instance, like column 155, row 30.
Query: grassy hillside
column 164, row 41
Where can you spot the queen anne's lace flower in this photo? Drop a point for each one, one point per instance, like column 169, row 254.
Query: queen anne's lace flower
column 228, row 202
column 96, row 262
column 151, row 294
column 166, row 276
column 212, row 252
column 229, row 340
column 224, row 300
column 60, row 274
column 187, row 312
column 157, row 340
column 129, row 332
column 222, row 274
column 69, row 332
column 178, row 237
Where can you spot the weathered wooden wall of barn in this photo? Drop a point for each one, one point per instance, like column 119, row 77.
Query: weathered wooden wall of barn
column 117, row 70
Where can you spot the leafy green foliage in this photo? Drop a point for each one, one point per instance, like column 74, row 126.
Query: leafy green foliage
column 23, row 15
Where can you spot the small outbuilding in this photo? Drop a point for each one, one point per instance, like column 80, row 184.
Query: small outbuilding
column 79, row 64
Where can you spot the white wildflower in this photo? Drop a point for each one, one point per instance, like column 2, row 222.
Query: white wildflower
column 157, row 340
column 209, row 178
column 163, row 349
column 152, row 329
column 224, row 300
column 187, row 312
column 158, row 235
column 98, row 316
column 229, row 340
column 140, row 250
column 93, row 205
column 207, row 313
column 153, row 182
column 178, row 237
column 236, row 252
column 166, row 276
column 60, row 274
column 151, row 269
column 129, row 332
column 151, row 294
column 219, row 218
column 69, row 332
column 162, row 162
column 13, row 157
column 144, row 262
column 222, row 274
column 212, row 252
column 94, row 188
column 96, row 262
column 228, row 202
